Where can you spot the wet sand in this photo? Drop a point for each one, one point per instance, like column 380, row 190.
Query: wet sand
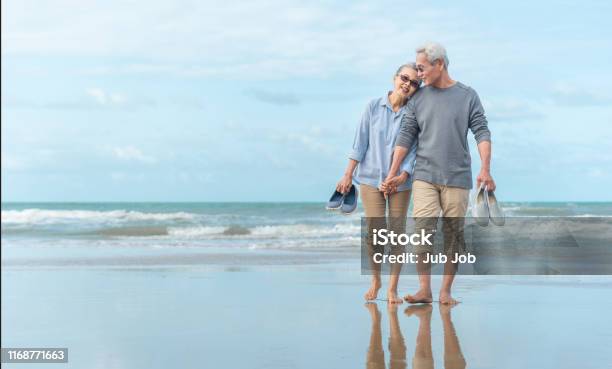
column 283, row 315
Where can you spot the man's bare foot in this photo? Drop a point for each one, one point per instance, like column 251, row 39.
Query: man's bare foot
column 421, row 297
column 421, row 311
column 447, row 299
column 393, row 298
column 373, row 291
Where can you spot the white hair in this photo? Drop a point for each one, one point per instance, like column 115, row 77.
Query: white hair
column 407, row 65
column 434, row 51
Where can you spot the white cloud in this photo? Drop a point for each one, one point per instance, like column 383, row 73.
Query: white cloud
column 241, row 39
column 313, row 140
column 105, row 98
column 131, row 153
column 565, row 93
column 100, row 99
column 510, row 109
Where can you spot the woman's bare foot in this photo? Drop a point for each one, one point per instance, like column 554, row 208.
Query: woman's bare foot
column 421, row 297
column 393, row 298
column 447, row 299
column 373, row 291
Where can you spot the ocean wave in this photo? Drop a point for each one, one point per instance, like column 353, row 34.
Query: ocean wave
column 591, row 216
column 192, row 232
column 267, row 231
column 43, row 216
column 306, row 229
column 340, row 243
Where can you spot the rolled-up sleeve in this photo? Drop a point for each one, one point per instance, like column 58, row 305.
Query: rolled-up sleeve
column 362, row 136
column 478, row 121
column 409, row 128
column 408, row 163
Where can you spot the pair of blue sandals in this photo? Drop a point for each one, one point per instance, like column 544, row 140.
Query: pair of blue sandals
column 345, row 202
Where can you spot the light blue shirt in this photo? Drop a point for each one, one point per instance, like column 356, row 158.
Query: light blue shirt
column 374, row 143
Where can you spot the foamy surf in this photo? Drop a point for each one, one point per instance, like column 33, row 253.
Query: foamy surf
column 232, row 225
column 42, row 216
column 267, row 231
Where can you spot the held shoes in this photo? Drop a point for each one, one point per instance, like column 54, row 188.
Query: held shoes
column 347, row 203
column 480, row 212
column 350, row 201
column 495, row 212
column 485, row 206
column 335, row 201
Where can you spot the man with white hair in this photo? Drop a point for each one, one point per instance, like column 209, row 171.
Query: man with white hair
column 439, row 116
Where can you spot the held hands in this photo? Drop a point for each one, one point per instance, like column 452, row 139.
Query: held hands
column 344, row 185
column 485, row 178
column 391, row 183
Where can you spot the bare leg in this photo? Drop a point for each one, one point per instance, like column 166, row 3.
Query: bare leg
column 397, row 347
column 376, row 283
column 392, row 297
column 398, row 210
column 423, row 295
column 375, row 206
column 423, row 355
column 453, row 358
column 428, row 225
column 453, row 243
column 450, row 270
column 454, row 205
column 374, row 286
column 376, row 356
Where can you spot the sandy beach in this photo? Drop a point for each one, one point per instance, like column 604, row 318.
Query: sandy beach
column 261, row 286
column 297, row 316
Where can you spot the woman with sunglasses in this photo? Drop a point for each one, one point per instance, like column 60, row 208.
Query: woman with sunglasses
column 369, row 163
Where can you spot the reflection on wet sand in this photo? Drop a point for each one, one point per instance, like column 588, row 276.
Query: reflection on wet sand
column 397, row 348
column 423, row 357
column 423, row 354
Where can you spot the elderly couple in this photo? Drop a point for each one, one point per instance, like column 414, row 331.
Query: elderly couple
column 415, row 138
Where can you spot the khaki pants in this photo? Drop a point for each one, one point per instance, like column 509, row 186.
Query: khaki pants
column 375, row 207
column 429, row 201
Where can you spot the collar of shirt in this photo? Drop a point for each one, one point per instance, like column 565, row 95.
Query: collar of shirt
column 386, row 102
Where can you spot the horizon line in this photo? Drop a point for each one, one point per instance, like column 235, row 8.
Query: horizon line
column 249, row 202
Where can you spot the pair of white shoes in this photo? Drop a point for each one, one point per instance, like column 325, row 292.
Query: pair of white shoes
column 485, row 207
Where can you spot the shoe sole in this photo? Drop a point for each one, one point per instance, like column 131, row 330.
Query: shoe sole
column 328, row 208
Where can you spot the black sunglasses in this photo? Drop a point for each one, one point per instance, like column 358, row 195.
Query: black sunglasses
column 413, row 82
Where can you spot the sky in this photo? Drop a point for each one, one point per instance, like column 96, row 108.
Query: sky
column 258, row 101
